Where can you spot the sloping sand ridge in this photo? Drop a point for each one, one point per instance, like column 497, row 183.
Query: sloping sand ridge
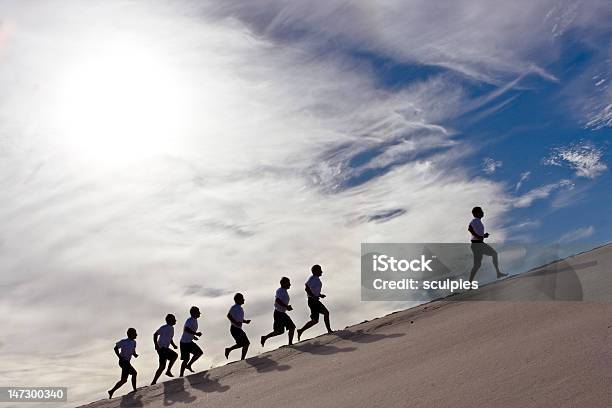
column 456, row 352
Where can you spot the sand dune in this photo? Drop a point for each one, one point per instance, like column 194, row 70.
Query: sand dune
column 456, row 352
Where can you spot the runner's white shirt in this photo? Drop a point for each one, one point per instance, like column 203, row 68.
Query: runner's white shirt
column 127, row 347
column 478, row 228
column 237, row 313
column 192, row 323
column 315, row 285
column 166, row 333
column 283, row 295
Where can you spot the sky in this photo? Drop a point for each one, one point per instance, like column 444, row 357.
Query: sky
column 158, row 155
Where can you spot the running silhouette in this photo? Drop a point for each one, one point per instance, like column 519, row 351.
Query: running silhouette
column 125, row 349
column 236, row 318
column 479, row 248
column 313, row 290
column 187, row 343
column 163, row 338
column 282, row 320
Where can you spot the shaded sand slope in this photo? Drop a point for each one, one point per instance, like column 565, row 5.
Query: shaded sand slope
column 461, row 353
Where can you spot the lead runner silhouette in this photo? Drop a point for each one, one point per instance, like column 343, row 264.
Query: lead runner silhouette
column 479, row 248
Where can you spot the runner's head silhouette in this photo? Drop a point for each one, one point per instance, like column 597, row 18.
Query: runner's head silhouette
column 194, row 312
column 285, row 282
column 477, row 212
column 316, row 270
column 239, row 299
column 131, row 333
column 170, row 319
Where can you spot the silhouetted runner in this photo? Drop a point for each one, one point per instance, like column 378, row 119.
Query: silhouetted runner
column 236, row 318
column 187, row 344
column 313, row 290
column 282, row 320
column 479, row 248
column 125, row 349
column 163, row 338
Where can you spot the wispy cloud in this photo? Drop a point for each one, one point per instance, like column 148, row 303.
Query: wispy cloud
column 561, row 16
column 578, row 234
column 584, row 158
column 525, row 225
column 489, row 165
column 539, row 193
column 597, row 104
column 481, row 39
column 601, row 118
column 589, row 95
column 524, row 177
column 571, row 197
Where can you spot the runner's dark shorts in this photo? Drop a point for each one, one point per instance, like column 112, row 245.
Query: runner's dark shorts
column 126, row 369
column 316, row 308
column 165, row 354
column 240, row 336
column 479, row 249
column 282, row 321
column 190, row 348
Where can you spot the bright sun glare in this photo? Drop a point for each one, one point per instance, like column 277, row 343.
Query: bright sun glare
column 121, row 103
